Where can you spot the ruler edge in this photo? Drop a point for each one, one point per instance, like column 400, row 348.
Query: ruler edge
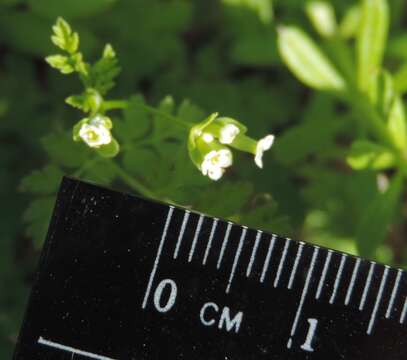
column 68, row 188
column 221, row 219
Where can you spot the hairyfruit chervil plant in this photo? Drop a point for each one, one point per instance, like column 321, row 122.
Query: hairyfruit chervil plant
column 208, row 141
column 163, row 151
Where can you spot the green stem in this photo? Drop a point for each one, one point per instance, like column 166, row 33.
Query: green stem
column 122, row 104
column 115, row 104
column 132, row 182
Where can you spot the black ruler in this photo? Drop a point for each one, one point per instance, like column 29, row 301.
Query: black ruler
column 125, row 278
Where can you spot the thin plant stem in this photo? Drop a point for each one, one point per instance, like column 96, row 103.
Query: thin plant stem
column 132, row 182
column 122, row 104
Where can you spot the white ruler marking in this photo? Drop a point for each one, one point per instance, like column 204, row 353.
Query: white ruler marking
column 338, row 279
column 378, row 300
column 304, row 292
column 394, row 294
column 236, row 259
column 268, row 257
column 352, row 281
column 403, row 313
column 295, row 267
column 324, row 274
column 196, row 236
column 157, row 258
column 254, row 252
column 209, row 245
column 181, row 233
column 72, row 350
column 367, row 286
column 282, row 262
column 224, row 245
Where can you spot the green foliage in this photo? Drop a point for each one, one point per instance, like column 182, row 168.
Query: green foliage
column 64, row 37
column 307, row 61
column 371, row 39
column 335, row 175
column 379, row 215
column 367, row 155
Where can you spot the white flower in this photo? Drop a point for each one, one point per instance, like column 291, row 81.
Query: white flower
column 228, row 133
column 262, row 146
column 215, row 162
column 207, row 137
column 95, row 133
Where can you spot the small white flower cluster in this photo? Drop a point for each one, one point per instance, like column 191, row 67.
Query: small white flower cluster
column 212, row 140
column 215, row 162
column 95, row 133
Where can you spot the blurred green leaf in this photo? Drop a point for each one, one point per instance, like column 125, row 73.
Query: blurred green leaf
column 400, row 79
column 136, row 122
column 37, row 217
column 322, row 17
column 378, row 217
column 234, row 196
column 69, row 8
column 64, row 151
column 14, row 27
column 265, row 217
column 371, row 40
column 397, row 124
column 43, row 182
column 350, row 23
column 382, row 92
column 262, row 8
column 99, row 170
column 306, row 60
column 367, row 155
column 315, row 134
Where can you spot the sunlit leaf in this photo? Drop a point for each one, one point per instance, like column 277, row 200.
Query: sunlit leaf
column 322, row 17
column 367, row 155
column 371, row 40
column 307, row 61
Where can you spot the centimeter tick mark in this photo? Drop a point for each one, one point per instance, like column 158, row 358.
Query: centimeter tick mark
column 338, row 279
column 378, row 300
column 254, row 252
column 304, row 294
column 268, row 257
column 394, row 293
column 157, row 258
column 403, row 313
column 236, row 259
column 72, row 350
column 209, row 245
column 324, row 274
column 352, row 281
column 282, row 262
column 367, row 286
column 224, row 245
column 181, row 233
column 295, row 267
column 194, row 242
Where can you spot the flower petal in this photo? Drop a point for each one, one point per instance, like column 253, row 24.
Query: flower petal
column 262, row 146
column 228, row 133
